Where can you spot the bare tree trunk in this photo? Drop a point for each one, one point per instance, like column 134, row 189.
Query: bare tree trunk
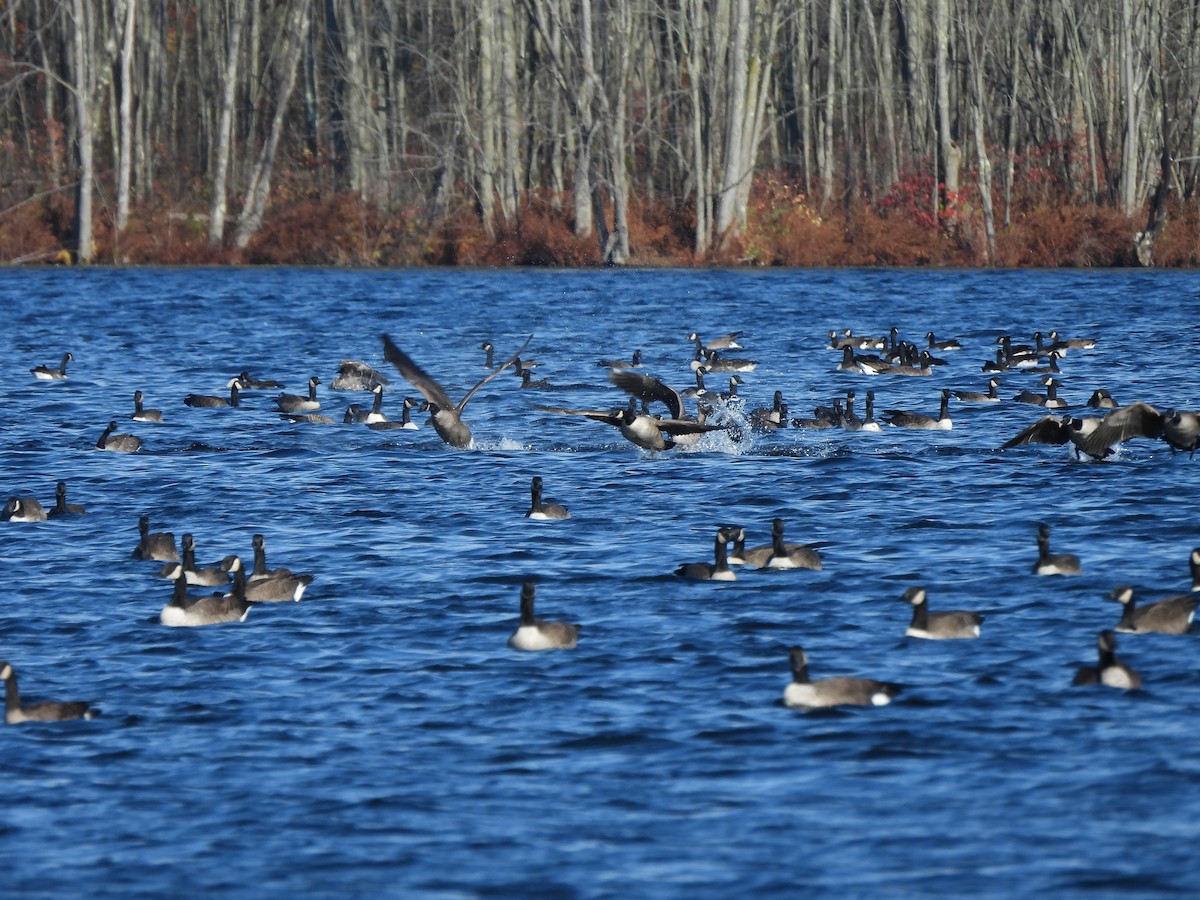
column 259, row 188
column 84, row 48
column 216, row 215
column 1129, row 163
column 949, row 150
column 125, row 166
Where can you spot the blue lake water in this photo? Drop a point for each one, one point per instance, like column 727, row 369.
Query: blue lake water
column 380, row 738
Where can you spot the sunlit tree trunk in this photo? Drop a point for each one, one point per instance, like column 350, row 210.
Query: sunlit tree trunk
column 216, row 215
column 84, row 56
column 125, row 164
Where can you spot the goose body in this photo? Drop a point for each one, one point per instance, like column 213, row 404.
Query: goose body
column 445, row 415
column 900, row 418
column 23, row 509
column 46, row 373
column 158, row 545
column 216, row 575
column 1173, row 615
column 249, row 383
column 788, row 556
column 61, row 506
column 804, row 693
column 356, row 376
column 543, row 511
column 947, row 625
column 207, row 401
column 634, row 362
column 538, row 634
column 118, row 443
column 1108, row 671
column 44, row 711
column 718, row 569
column 641, row 429
column 292, row 403
column 992, row 395
column 935, row 344
column 140, row 413
column 214, row 609
column 1053, row 563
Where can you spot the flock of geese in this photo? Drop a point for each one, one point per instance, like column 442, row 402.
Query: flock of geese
column 1092, row 436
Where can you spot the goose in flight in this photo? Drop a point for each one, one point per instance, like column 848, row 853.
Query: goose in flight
column 446, row 416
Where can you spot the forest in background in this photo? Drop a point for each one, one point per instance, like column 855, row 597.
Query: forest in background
column 601, row 132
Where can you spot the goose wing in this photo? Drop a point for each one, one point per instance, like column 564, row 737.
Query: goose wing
column 1046, row 430
column 416, row 376
column 612, row 416
column 647, row 388
column 1136, row 420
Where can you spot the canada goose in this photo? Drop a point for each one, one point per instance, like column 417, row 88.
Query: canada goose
column 856, row 342
column 725, row 342
column 769, row 417
column 1173, row 615
column 291, row 403
column 1021, row 356
column 260, row 570
column 159, row 545
column 183, row 610
column 1057, row 343
column 61, row 506
column 141, row 414
column 118, row 443
column 850, row 419
column 207, row 576
column 699, row 390
column 310, row 418
column 866, row 365
column 938, row 626
column 999, row 365
column 43, row 711
column 714, row 362
column 206, row 401
column 543, row 511
column 641, row 429
column 1062, row 430
column 447, row 418
column 1051, row 367
column 406, row 421
column 753, row 558
column 868, row 422
column 247, row 382
column 527, row 382
column 355, row 413
column 719, row 569
column 785, row 555
column 45, row 373
column 992, row 395
column 1102, row 399
column 1053, row 563
column 23, row 509
column 539, row 634
column 489, row 351
column 1179, row 429
column 732, row 393
column 281, row 586
column 935, row 344
column 903, row 419
column 1108, row 671
column 356, row 376
column 647, row 388
column 804, row 693
column 823, row 417
column 1194, row 561
column 635, row 362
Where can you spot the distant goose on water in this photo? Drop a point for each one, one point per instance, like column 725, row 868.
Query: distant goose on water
column 183, row 610
column 543, row 511
column 61, row 506
column 538, row 634
column 292, row 403
column 903, row 419
column 1053, row 563
column 118, row 443
column 207, row 401
column 158, row 545
column 356, row 376
column 805, row 693
column 141, row 414
column 16, row 712
column 1108, row 671
column 718, row 570
column 446, row 416
column 937, row 626
column 1173, row 615
column 23, row 509
column 45, row 373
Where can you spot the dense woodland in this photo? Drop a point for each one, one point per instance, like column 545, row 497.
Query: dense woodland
column 588, row 132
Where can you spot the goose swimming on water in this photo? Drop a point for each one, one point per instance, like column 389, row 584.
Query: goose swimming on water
column 1174, row 615
column 118, row 443
column 1108, row 671
column 291, row 403
column 140, row 413
column 446, row 416
column 538, row 634
column 61, row 506
column 1053, row 563
column 158, row 545
column 543, row 511
column 45, row 373
column 903, row 419
column 805, row 693
column 23, row 509
column 937, row 626
column 183, row 610
column 16, row 712
column 718, row 570
column 207, row 401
